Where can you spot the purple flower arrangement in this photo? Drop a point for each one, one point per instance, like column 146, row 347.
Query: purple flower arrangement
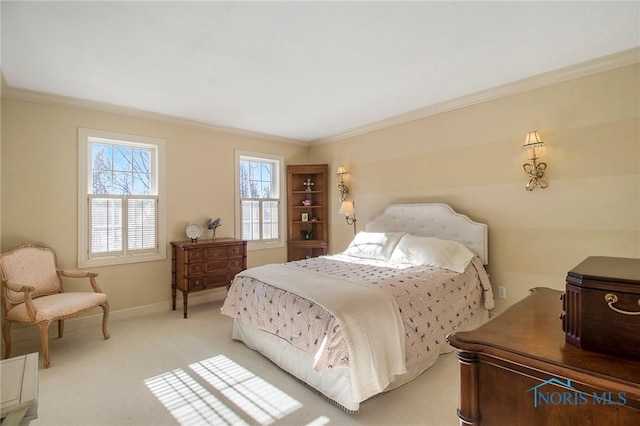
column 213, row 224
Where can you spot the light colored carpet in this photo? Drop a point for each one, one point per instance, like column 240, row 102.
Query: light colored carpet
column 155, row 370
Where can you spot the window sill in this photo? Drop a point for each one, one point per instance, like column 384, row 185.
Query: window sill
column 264, row 246
column 119, row 260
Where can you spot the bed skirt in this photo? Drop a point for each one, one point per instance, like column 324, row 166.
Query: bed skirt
column 333, row 383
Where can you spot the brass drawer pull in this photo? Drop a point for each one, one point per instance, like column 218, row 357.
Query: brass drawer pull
column 611, row 298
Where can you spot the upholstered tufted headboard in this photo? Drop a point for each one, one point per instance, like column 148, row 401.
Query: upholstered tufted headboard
column 433, row 220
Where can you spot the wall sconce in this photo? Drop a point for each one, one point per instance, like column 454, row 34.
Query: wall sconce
column 348, row 208
column 344, row 190
column 535, row 170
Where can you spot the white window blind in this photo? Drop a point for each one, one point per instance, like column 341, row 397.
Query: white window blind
column 105, row 225
column 141, row 227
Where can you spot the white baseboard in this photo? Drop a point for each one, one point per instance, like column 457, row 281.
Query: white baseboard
column 21, row 333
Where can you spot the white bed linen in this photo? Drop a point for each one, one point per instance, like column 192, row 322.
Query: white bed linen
column 439, row 322
column 373, row 331
column 334, row 383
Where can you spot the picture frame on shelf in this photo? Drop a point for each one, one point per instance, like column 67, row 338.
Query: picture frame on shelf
column 304, row 217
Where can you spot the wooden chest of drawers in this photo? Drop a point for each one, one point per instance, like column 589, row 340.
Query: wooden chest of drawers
column 205, row 265
column 517, row 369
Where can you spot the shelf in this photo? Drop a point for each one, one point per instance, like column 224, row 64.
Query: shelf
column 308, row 243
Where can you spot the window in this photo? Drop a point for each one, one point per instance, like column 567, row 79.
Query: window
column 120, row 207
column 259, row 217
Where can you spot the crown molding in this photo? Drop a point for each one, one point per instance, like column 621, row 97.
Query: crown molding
column 583, row 69
column 69, row 102
column 605, row 63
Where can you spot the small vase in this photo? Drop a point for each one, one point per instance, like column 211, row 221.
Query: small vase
column 214, row 234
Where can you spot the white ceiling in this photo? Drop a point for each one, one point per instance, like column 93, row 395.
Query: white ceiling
column 301, row 70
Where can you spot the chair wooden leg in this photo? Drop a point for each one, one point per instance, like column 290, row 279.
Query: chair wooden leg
column 44, row 341
column 105, row 318
column 60, row 328
column 6, row 336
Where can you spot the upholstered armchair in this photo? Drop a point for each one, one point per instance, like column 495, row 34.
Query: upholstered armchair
column 32, row 293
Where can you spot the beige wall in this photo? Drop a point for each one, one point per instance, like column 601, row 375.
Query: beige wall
column 471, row 159
column 40, row 188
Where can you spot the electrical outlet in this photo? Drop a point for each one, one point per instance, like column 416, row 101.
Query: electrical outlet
column 502, row 292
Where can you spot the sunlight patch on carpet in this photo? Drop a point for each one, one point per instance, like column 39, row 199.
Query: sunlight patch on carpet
column 320, row 421
column 264, row 402
column 237, row 396
column 189, row 402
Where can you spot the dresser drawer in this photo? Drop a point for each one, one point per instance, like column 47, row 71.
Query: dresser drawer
column 196, row 283
column 216, row 252
column 195, row 268
column 237, row 250
column 217, row 279
column 215, row 265
column 194, row 255
column 235, row 264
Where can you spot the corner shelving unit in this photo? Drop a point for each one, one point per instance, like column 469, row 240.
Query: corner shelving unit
column 307, row 221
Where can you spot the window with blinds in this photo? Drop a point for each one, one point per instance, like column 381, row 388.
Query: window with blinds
column 259, row 193
column 122, row 187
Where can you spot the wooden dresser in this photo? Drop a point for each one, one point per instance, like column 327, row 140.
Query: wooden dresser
column 517, row 369
column 204, row 265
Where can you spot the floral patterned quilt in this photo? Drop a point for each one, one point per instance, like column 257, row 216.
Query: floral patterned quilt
column 432, row 302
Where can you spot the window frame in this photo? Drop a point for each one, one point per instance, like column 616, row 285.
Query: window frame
column 278, row 160
column 85, row 138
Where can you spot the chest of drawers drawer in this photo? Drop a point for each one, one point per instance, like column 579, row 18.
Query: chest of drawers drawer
column 210, row 266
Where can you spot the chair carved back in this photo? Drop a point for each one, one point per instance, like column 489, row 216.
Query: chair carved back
column 30, row 265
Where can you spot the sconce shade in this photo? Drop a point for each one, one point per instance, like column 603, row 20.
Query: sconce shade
column 532, row 140
column 341, row 171
column 347, row 207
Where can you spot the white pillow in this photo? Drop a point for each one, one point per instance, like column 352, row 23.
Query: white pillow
column 373, row 245
column 431, row 251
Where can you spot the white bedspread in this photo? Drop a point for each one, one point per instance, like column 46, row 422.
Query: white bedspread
column 374, row 332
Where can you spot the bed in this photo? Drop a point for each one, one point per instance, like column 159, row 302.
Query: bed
column 367, row 320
